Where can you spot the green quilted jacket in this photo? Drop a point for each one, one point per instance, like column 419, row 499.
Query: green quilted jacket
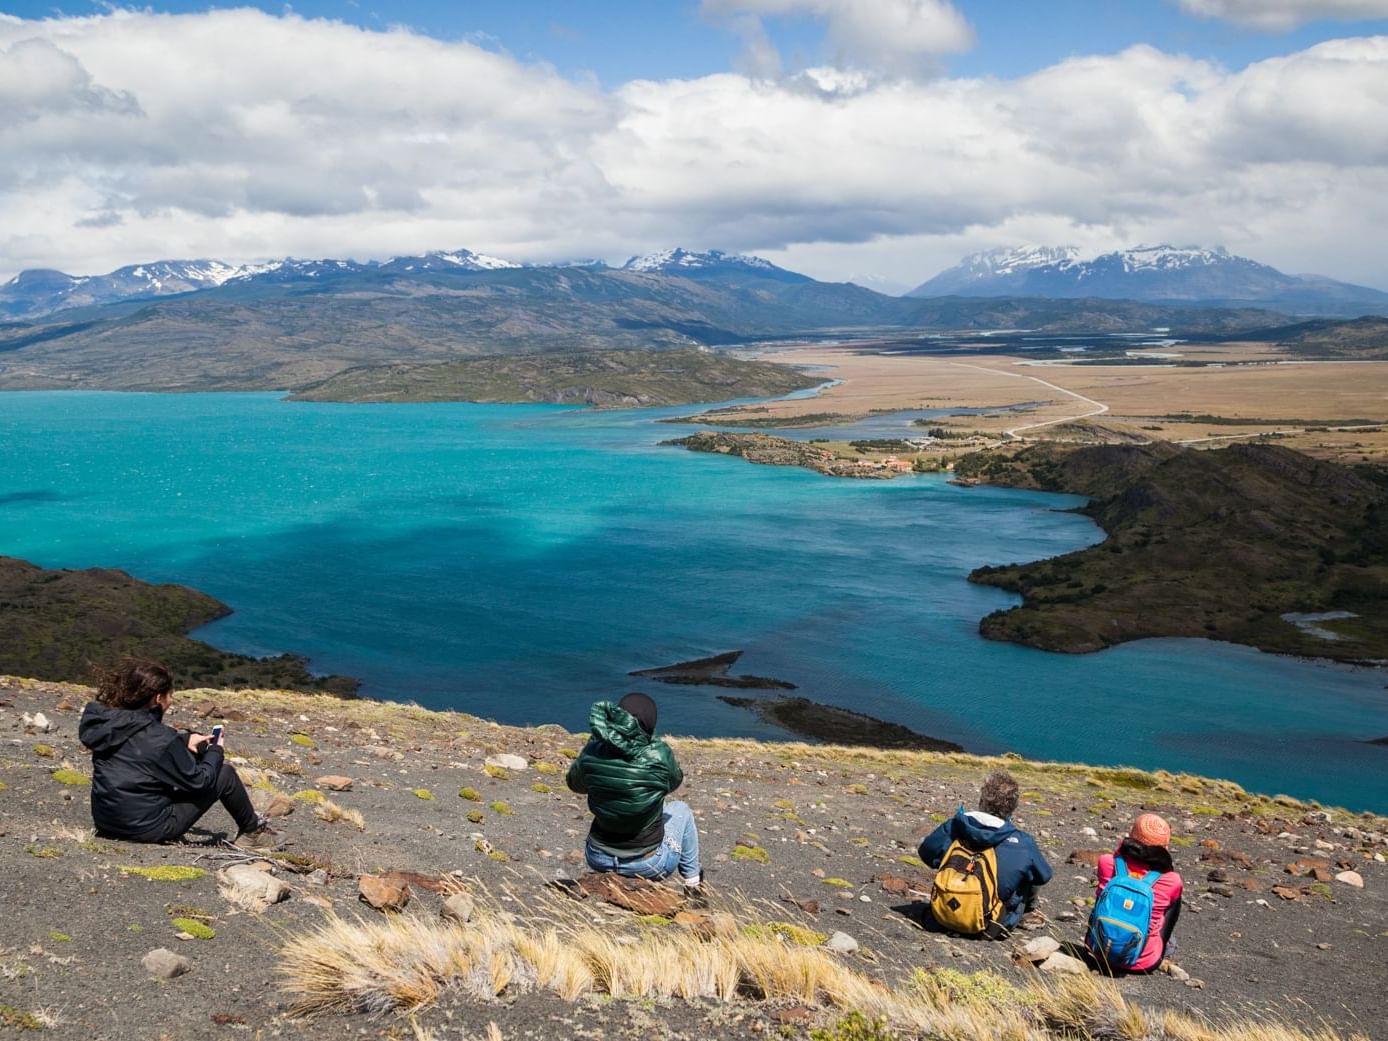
column 626, row 775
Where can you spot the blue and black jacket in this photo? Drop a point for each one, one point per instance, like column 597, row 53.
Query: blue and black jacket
column 1021, row 867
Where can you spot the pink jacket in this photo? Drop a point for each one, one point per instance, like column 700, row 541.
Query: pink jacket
column 1165, row 892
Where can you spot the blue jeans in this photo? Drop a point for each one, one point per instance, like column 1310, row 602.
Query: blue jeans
column 680, row 849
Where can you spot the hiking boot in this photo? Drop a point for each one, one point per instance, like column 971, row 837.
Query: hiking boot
column 261, row 837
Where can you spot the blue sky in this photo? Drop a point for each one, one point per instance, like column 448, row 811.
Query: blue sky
column 869, row 140
column 620, row 40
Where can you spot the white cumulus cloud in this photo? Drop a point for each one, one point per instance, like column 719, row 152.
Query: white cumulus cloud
column 235, row 134
column 1281, row 15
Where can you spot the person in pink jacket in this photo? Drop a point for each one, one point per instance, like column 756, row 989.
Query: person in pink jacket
column 1147, row 849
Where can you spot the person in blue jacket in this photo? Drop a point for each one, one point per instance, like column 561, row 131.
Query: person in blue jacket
column 1021, row 867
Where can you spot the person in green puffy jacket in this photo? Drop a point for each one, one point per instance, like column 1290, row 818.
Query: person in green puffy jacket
column 626, row 772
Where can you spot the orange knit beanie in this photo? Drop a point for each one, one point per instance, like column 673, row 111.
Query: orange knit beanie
column 1151, row 830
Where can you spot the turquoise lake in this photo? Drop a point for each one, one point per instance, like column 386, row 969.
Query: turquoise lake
column 518, row 561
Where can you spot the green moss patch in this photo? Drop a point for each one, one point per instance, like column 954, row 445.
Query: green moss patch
column 66, row 776
column 541, row 787
column 476, row 816
column 837, row 883
column 500, row 807
column 165, row 873
column 470, row 794
column 43, row 852
column 424, row 793
column 497, row 772
column 58, row 937
column 546, row 768
column 13, row 1017
column 302, row 740
column 756, row 853
column 197, row 930
column 45, row 751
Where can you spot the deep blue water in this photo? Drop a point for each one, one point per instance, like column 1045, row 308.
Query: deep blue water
column 518, row 561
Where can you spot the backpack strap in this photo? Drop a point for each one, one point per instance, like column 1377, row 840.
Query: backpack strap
column 1120, row 867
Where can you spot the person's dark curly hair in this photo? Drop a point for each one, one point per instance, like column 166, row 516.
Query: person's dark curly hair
column 999, row 795
column 133, row 683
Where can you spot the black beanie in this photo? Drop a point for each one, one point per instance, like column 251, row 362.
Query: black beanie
column 643, row 708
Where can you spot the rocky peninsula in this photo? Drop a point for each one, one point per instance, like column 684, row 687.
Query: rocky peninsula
column 56, row 623
column 1216, row 543
column 767, row 450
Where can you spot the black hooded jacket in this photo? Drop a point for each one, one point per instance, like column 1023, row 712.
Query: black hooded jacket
column 140, row 768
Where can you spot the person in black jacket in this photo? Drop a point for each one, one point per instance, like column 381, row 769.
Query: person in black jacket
column 150, row 782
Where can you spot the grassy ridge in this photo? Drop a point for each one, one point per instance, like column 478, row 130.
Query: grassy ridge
column 606, row 379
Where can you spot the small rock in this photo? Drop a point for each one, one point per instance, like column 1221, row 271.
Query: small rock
column 317, row 877
column 793, row 1016
column 1322, row 844
column 1087, row 857
column 1063, row 963
column 458, row 908
column 384, row 894
column 1323, row 947
column 1040, row 948
column 718, row 925
column 1195, row 984
column 272, row 804
column 1089, row 833
column 163, row 964
column 249, row 887
column 1316, row 817
column 842, row 943
column 508, row 761
column 1176, row 972
column 335, row 783
column 1351, row 878
column 1220, row 889
column 382, row 752
column 38, row 722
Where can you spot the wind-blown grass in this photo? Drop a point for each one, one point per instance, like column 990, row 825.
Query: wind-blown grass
column 405, row 963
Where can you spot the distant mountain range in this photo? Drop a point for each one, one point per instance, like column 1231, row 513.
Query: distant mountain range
column 291, row 323
column 1160, row 274
column 36, row 293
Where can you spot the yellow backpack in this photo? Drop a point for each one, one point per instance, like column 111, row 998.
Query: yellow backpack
column 965, row 897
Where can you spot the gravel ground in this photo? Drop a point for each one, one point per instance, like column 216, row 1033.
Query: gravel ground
column 75, row 926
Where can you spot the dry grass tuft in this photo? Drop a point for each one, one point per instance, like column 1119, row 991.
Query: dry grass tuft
column 404, row 963
column 329, row 811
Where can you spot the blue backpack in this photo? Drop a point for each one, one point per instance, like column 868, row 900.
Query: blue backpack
column 1122, row 917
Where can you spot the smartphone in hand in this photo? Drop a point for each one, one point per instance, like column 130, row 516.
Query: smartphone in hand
column 217, row 734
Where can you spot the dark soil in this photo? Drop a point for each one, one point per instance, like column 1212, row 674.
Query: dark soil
column 75, row 926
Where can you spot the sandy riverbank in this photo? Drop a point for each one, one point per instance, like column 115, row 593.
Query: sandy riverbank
column 1243, row 391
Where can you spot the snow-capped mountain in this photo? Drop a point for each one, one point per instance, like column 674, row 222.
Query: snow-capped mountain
column 1154, row 273
column 55, row 290
column 448, row 260
column 710, row 264
column 34, row 293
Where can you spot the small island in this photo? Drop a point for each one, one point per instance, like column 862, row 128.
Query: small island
column 600, row 379
column 838, row 726
column 59, row 624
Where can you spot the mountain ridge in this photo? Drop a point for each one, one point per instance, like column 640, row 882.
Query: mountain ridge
column 1155, row 273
